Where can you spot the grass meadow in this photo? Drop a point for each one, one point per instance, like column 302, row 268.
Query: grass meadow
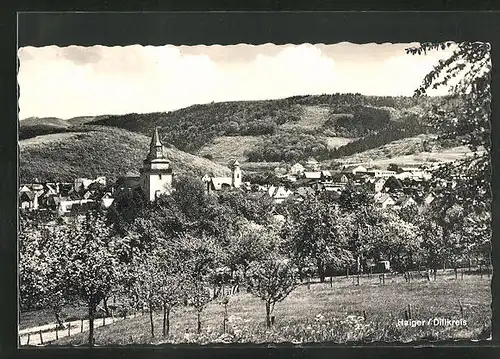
column 324, row 312
column 229, row 148
column 312, row 119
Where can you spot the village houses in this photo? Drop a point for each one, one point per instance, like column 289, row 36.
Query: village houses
column 156, row 175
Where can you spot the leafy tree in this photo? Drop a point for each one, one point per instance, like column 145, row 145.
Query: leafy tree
column 397, row 240
column 189, row 195
column 252, row 243
column 171, row 294
column 463, row 115
column 200, row 256
column 93, row 264
column 199, row 297
column 353, row 198
column 271, row 280
column 363, row 228
column 394, row 167
column 126, row 207
column 146, row 278
column 314, row 230
column 42, row 269
column 172, row 283
column 432, row 249
column 253, row 209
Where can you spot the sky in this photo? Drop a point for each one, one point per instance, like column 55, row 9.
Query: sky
column 72, row 81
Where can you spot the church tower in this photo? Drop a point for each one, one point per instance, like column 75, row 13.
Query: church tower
column 156, row 172
column 236, row 175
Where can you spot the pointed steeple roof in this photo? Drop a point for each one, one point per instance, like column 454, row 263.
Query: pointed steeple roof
column 156, row 147
column 155, row 140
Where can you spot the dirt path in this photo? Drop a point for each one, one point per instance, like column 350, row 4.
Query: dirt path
column 47, row 333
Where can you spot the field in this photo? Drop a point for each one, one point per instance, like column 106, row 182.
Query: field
column 326, row 313
column 313, row 118
column 335, row 142
column 229, row 148
column 259, row 166
column 408, row 152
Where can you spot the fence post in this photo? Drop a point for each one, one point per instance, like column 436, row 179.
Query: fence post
column 81, row 327
column 364, row 314
column 57, row 332
column 331, row 282
column 462, row 274
column 69, row 329
column 41, row 338
column 357, row 278
column 103, row 321
column 461, row 309
column 347, row 272
column 409, row 311
column 308, row 283
column 28, row 341
column 383, row 278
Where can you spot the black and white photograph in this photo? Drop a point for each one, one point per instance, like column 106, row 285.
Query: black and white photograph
column 254, row 193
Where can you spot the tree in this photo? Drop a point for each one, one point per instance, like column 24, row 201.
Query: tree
column 145, row 275
column 252, row 243
column 127, row 205
column 200, row 256
column 189, row 195
column 271, row 280
column 397, row 240
column 314, row 230
column 172, row 284
column 363, row 228
column 432, row 248
column 199, row 297
column 464, row 116
column 93, row 264
column 394, row 167
column 253, row 209
column 42, row 268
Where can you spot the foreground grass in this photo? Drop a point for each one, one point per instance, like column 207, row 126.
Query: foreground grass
column 46, row 316
column 322, row 313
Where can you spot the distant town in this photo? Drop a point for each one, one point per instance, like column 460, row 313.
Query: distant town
column 393, row 187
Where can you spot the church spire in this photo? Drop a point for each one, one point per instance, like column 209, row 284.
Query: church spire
column 156, row 147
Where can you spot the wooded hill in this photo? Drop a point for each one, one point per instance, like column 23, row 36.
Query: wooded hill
column 290, row 129
column 90, row 151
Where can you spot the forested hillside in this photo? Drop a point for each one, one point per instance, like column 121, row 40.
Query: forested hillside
column 100, row 151
column 290, row 129
column 189, row 129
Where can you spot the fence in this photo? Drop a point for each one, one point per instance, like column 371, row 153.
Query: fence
column 48, row 333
